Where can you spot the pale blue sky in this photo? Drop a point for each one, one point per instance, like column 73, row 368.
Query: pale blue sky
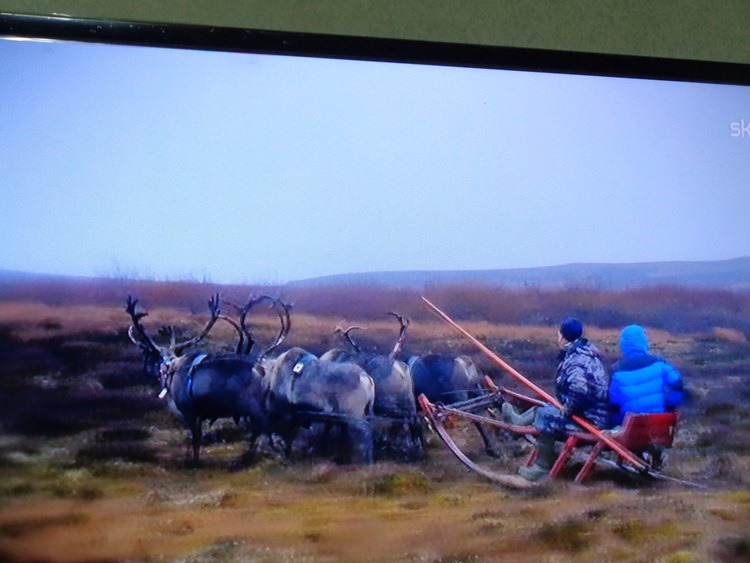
column 237, row 167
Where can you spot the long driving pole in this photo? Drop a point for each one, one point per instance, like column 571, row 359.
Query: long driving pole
column 585, row 424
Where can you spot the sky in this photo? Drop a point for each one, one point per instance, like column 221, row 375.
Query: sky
column 244, row 168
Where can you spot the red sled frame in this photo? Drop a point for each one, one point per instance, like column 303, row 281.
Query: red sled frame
column 640, row 433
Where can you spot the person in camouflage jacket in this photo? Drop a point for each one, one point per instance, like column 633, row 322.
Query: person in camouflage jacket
column 582, row 387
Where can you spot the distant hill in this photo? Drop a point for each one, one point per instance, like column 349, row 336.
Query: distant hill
column 720, row 274
column 725, row 274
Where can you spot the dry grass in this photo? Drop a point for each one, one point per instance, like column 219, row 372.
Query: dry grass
column 281, row 514
column 113, row 485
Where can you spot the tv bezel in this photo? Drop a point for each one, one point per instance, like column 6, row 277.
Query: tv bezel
column 350, row 47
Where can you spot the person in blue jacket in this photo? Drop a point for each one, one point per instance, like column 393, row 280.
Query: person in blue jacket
column 642, row 383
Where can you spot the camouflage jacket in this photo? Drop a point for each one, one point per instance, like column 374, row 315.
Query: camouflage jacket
column 582, row 383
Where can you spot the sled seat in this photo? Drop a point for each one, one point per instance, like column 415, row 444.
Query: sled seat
column 639, row 433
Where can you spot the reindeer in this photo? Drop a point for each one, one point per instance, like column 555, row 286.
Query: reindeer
column 203, row 386
column 449, row 379
column 394, row 390
column 300, row 389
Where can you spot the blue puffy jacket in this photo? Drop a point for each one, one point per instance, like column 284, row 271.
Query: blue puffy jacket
column 642, row 383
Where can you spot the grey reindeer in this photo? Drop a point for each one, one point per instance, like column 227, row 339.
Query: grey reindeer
column 395, row 404
column 301, row 389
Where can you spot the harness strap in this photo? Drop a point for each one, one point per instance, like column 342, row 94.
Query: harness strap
column 196, row 362
column 302, row 363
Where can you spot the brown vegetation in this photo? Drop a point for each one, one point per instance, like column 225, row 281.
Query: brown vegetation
column 92, row 464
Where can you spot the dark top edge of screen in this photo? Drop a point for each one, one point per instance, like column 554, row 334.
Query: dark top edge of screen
column 206, row 37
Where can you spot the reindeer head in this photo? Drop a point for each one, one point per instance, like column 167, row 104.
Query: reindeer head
column 163, row 361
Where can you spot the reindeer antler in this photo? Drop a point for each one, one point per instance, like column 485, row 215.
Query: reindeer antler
column 252, row 302
column 238, row 328
column 345, row 333
column 136, row 332
column 215, row 309
column 284, row 312
column 404, row 323
column 168, row 332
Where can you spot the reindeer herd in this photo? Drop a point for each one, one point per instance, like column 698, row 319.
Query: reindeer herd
column 350, row 396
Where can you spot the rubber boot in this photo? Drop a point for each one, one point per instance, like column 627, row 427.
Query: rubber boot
column 522, row 419
column 545, row 460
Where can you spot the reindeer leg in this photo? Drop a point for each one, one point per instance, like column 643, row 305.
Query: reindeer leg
column 488, row 447
column 288, row 435
column 417, row 439
column 253, row 438
column 249, row 455
column 325, row 440
column 359, row 434
column 196, row 431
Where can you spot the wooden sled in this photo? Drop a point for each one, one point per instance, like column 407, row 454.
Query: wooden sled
column 645, row 435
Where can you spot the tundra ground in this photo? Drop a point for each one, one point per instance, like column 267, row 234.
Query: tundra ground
column 92, row 464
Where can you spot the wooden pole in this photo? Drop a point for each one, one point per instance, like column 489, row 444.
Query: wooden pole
column 497, row 360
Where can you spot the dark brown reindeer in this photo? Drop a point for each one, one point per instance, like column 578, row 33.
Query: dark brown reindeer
column 202, row 386
column 449, row 379
column 394, row 392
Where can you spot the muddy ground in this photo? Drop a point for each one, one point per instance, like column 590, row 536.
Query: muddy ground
column 93, row 466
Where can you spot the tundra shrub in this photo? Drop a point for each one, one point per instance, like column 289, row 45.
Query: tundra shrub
column 399, row 484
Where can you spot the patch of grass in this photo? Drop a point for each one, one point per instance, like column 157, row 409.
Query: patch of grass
column 630, row 530
column 400, row 484
column 266, row 467
column 737, row 497
column 118, row 470
column 76, row 483
column 125, row 433
column 460, row 558
column 413, row 505
column 733, row 549
column 88, row 492
column 681, row 557
column 222, row 550
column 51, row 480
column 667, row 531
column 569, row 535
column 451, row 499
column 177, row 528
column 220, row 499
column 126, row 451
column 489, row 520
column 16, row 488
column 313, row 536
column 23, row 527
column 726, row 515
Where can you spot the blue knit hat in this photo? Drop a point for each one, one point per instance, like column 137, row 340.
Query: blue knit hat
column 571, row 329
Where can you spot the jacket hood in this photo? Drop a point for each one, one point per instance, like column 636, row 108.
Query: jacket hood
column 633, row 341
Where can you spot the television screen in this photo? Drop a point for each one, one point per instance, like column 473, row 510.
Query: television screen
column 347, row 178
